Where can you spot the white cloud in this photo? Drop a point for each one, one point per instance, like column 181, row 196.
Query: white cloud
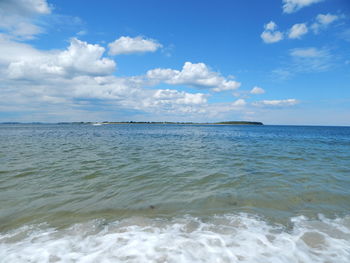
column 311, row 59
column 282, row 73
column 310, row 52
column 17, row 16
column 345, row 35
column 323, row 21
column 277, row 103
column 326, row 19
column 239, row 103
column 76, row 83
column 26, row 30
column 130, row 93
column 82, row 33
column 80, row 58
column 128, row 45
column 198, row 75
column 180, row 96
column 270, row 26
column 257, row 90
column 14, row 51
column 85, row 58
column 114, row 93
column 291, row 6
column 35, row 80
column 298, row 30
column 225, row 110
column 306, row 60
column 25, row 7
column 270, row 35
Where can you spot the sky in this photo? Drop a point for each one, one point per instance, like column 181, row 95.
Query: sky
column 275, row 61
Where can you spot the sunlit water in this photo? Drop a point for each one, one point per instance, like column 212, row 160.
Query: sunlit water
column 174, row 193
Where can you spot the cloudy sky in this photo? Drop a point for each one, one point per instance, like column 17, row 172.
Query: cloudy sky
column 275, row 61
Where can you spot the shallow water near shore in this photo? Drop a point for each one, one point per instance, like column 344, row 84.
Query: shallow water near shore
column 174, row 193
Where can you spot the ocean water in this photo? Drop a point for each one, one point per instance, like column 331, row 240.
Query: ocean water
column 174, row 193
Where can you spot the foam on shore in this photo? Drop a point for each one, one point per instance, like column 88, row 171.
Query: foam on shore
column 227, row 238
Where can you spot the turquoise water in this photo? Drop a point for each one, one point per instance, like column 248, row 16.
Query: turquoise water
column 174, row 193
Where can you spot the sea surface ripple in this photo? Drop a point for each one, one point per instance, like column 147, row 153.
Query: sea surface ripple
column 174, row 193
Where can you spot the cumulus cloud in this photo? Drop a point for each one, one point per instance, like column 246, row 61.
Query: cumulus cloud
column 277, row 103
column 174, row 101
column 85, row 58
column 128, row 45
column 298, row 30
column 321, row 22
column 179, row 97
column 270, row 34
column 74, row 76
column 193, row 74
column 129, row 93
column 111, row 92
column 80, row 58
column 66, row 84
column 17, row 16
column 257, row 90
column 291, row 6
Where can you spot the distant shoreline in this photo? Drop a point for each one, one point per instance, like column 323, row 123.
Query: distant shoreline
column 147, row 122
column 181, row 123
column 192, row 123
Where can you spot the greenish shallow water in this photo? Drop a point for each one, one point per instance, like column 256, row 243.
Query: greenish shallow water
column 279, row 179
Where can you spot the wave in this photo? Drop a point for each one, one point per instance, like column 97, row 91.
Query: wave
column 225, row 238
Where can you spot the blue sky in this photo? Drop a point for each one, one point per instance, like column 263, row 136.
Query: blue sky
column 275, row 61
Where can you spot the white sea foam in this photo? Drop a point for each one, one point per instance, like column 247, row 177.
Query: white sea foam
column 229, row 238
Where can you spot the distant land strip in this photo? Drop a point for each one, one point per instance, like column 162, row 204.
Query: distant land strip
column 169, row 122
column 147, row 122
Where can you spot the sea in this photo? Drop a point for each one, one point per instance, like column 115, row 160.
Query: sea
column 174, row 193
